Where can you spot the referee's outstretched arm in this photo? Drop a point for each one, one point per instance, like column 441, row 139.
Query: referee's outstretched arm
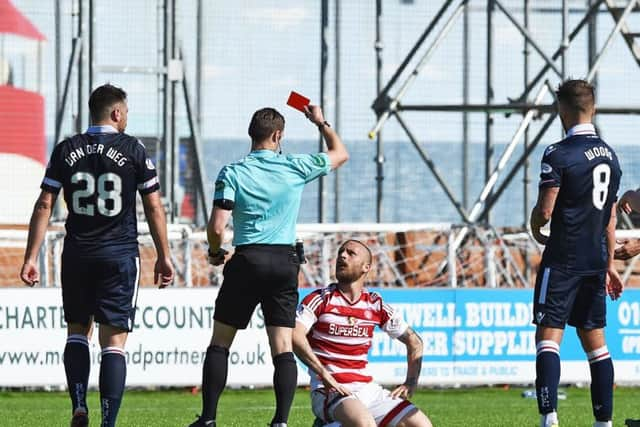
column 336, row 150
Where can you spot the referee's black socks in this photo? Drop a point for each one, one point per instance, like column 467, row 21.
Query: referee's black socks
column 214, row 379
column 285, row 380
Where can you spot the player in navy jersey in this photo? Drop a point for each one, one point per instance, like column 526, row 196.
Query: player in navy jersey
column 578, row 185
column 100, row 172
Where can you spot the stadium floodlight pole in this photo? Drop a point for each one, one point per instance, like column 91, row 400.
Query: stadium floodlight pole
column 525, row 33
column 592, row 10
column 58, row 50
column 391, row 108
column 476, row 211
column 196, row 136
column 525, row 166
column 489, row 93
column 565, row 39
column 90, row 47
column 324, row 60
column 432, row 167
column 621, row 22
column 80, row 96
column 378, row 46
column 465, row 99
column 336, row 124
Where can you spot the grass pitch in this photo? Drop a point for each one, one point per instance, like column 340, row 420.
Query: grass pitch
column 475, row 407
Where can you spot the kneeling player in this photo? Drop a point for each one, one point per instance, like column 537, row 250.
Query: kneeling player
column 333, row 333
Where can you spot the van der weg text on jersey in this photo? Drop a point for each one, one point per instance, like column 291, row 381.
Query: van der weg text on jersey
column 89, row 149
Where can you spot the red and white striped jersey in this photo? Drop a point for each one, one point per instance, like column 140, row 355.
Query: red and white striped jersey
column 340, row 332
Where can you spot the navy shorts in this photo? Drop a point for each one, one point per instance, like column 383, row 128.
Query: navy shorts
column 265, row 274
column 562, row 298
column 104, row 288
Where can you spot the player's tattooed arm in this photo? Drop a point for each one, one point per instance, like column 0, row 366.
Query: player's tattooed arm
column 414, row 363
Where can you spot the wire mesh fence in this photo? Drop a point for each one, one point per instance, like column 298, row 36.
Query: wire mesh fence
column 249, row 54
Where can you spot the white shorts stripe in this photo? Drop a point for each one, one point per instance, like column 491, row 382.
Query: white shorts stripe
column 134, row 301
column 148, row 183
column 543, row 286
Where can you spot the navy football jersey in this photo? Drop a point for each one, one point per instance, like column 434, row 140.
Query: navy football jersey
column 587, row 171
column 100, row 174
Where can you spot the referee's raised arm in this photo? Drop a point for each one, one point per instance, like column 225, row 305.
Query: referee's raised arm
column 261, row 193
column 336, row 150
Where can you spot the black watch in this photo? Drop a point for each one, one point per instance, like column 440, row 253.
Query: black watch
column 323, row 124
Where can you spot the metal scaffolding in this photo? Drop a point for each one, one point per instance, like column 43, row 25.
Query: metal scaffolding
column 170, row 77
column 387, row 106
column 535, row 102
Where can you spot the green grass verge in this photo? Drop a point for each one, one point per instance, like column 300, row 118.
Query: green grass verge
column 475, row 407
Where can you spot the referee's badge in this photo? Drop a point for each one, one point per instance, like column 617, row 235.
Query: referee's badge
column 546, row 168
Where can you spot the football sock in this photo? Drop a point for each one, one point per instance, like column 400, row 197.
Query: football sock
column 214, row 379
column 601, row 383
column 113, row 373
column 76, row 365
column 547, row 375
column 285, row 380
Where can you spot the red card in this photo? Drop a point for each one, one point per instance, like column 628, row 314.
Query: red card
column 297, row 101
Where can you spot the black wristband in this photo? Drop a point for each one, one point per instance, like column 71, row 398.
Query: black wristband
column 323, row 124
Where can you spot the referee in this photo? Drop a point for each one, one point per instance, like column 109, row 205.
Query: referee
column 262, row 192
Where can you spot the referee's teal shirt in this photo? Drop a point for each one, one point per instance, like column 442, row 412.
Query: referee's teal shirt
column 266, row 189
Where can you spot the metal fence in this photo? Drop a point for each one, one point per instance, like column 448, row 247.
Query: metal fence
column 233, row 57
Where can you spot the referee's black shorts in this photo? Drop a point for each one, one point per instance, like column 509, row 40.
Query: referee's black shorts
column 265, row 274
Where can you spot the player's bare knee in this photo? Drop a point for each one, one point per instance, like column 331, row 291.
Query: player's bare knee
column 591, row 339
column 544, row 333
column 111, row 336
column 80, row 329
